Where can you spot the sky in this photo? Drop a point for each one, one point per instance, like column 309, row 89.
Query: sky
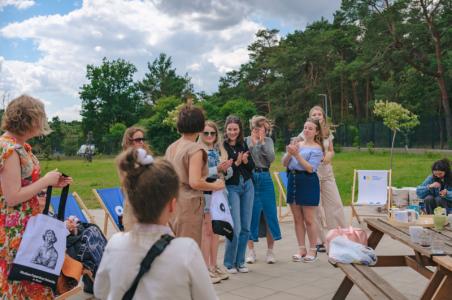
column 45, row 45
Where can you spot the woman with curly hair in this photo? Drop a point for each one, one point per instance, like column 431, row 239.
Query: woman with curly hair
column 20, row 181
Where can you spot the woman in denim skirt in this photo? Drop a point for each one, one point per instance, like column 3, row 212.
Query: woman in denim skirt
column 303, row 191
column 263, row 153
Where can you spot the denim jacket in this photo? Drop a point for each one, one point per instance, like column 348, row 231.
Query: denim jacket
column 423, row 190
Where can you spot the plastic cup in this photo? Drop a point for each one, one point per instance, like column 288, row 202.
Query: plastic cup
column 437, row 246
column 439, row 221
column 425, row 238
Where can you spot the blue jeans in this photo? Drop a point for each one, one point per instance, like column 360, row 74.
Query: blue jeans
column 241, row 202
column 264, row 201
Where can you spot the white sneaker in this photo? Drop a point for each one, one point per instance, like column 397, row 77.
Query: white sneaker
column 214, row 278
column 251, row 259
column 231, row 270
column 270, row 257
column 243, row 269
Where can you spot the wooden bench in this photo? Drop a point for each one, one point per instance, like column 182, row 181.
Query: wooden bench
column 373, row 286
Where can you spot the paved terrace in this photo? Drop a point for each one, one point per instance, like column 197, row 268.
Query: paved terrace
column 287, row 280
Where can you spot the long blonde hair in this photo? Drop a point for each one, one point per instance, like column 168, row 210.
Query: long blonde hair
column 218, row 143
column 325, row 127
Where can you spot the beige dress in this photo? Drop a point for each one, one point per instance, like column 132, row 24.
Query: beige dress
column 330, row 211
column 187, row 220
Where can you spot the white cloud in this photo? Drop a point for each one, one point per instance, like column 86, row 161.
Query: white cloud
column 19, row 4
column 204, row 38
column 69, row 113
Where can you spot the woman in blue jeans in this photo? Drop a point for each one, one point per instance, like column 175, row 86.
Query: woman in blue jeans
column 241, row 192
column 264, row 206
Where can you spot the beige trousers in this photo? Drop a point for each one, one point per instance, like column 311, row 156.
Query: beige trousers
column 187, row 220
column 330, row 212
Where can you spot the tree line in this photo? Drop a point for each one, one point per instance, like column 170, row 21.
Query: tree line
column 394, row 50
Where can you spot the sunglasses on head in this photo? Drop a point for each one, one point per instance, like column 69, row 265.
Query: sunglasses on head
column 137, row 140
column 211, row 133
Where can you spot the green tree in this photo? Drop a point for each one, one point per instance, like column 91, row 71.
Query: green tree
column 395, row 117
column 161, row 81
column 114, row 137
column 110, row 97
column 160, row 133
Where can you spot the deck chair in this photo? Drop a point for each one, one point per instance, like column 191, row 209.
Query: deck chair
column 74, row 207
column 374, row 193
column 281, row 181
column 112, row 202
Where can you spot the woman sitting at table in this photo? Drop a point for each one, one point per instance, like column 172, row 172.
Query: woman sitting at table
column 436, row 190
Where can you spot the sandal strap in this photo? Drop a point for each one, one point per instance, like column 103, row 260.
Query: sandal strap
column 302, row 247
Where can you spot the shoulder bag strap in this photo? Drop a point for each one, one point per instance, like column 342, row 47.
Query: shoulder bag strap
column 145, row 265
column 48, row 196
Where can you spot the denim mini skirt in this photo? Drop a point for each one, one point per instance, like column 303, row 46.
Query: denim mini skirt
column 303, row 188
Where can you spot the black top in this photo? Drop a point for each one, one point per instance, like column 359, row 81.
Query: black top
column 246, row 170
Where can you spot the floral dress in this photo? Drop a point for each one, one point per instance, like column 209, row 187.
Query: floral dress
column 13, row 221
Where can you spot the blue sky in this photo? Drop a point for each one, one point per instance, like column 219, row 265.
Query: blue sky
column 46, row 45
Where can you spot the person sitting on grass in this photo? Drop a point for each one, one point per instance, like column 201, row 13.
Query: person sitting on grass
column 436, row 190
column 179, row 272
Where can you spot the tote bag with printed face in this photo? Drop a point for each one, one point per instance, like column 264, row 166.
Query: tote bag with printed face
column 221, row 215
column 41, row 252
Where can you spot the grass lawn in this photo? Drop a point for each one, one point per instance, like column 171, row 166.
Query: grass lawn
column 408, row 170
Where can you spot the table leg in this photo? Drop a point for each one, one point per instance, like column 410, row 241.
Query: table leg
column 343, row 289
column 433, row 285
column 374, row 238
column 445, row 289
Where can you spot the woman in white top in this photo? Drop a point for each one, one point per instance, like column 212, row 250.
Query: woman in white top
column 179, row 272
column 331, row 212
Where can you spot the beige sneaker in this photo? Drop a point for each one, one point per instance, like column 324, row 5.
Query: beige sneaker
column 214, row 277
column 221, row 273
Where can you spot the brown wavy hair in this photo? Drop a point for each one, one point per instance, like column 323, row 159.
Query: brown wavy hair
column 127, row 141
column 319, row 136
column 325, row 126
column 23, row 115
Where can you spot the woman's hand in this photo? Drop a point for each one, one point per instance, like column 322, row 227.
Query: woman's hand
column 238, row 161
column 443, row 193
column 52, row 178
column 224, row 166
column 63, row 181
column 435, row 185
column 218, row 185
column 245, row 157
column 292, row 149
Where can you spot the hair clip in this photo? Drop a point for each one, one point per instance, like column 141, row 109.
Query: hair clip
column 143, row 158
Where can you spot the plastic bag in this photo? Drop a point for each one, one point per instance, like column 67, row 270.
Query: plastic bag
column 345, row 251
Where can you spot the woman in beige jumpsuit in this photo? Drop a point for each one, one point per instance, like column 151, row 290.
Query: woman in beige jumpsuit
column 330, row 213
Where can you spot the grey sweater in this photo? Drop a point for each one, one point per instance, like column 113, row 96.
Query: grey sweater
column 263, row 154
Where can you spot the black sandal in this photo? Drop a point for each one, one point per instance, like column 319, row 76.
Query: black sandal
column 320, row 248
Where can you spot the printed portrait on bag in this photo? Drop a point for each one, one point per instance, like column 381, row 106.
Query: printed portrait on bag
column 47, row 255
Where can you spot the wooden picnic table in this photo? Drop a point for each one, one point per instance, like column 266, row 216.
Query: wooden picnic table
column 440, row 277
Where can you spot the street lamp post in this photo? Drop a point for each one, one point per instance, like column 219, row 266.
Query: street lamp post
column 325, row 103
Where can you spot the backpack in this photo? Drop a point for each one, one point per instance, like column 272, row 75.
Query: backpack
column 87, row 247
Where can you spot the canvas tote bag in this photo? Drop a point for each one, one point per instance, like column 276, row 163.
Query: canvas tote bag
column 221, row 215
column 42, row 250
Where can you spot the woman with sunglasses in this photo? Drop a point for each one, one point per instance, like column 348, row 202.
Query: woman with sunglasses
column 263, row 153
column 219, row 166
column 241, row 193
column 133, row 138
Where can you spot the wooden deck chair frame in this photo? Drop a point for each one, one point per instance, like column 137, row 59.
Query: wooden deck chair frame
column 354, row 205
column 282, row 195
column 106, row 212
column 84, row 208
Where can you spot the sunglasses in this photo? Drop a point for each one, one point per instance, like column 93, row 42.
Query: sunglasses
column 211, row 133
column 138, row 140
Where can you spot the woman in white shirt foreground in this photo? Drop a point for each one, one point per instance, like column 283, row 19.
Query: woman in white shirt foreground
column 179, row 272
